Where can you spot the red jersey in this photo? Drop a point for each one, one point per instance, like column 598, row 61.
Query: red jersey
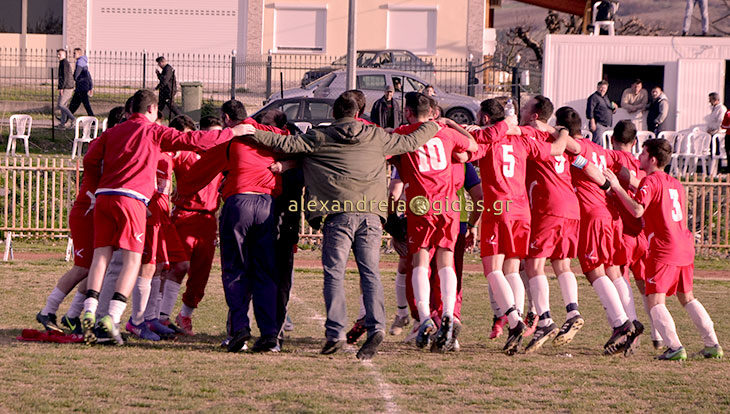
column 592, row 200
column 85, row 197
column 428, row 170
column 206, row 199
column 126, row 155
column 160, row 202
column 631, row 225
column 503, row 168
column 665, row 224
column 549, row 185
column 726, row 122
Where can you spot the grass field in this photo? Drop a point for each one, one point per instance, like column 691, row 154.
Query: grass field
column 194, row 374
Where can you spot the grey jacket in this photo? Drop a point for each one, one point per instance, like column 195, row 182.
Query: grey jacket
column 344, row 164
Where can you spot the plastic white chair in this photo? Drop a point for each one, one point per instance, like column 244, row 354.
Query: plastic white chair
column 104, row 124
column 587, row 134
column 606, row 139
column 641, row 137
column 20, row 126
column 682, row 148
column 89, row 127
column 700, row 152
column 604, row 24
column 670, row 136
column 717, row 151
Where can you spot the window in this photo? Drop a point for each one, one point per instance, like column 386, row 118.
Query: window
column 10, row 18
column 290, row 109
column 371, row 82
column 404, row 59
column 412, row 28
column 300, row 28
column 45, row 16
column 620, row 77
column 319, row 110
column 413, row 85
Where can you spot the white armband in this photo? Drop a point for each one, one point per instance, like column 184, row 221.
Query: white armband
column 580, row 162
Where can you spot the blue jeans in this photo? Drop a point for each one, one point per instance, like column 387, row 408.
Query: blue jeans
column 362, row 233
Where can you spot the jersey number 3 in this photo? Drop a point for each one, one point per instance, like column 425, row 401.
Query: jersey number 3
column 676, row 207
column 435, row 160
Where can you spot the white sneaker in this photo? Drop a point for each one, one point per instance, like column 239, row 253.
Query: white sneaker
column 399, row 323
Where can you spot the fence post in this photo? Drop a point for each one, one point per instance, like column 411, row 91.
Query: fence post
column 471, row 74
column 233, row 74
column 53, row 104
column 144, row 69
column 268, row 77
column 516, row 84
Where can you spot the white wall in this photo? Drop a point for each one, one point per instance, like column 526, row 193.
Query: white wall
column 573, row 65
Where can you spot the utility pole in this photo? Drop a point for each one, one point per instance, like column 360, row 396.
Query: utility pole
column 351, row 27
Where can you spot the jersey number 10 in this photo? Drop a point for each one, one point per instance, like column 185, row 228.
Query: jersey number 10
column 435, row 159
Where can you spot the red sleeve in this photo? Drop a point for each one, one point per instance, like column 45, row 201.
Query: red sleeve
column 480, row 152
column 645, row 193
column 262, row 127
column 171, row 139
column 486, row 135
column 461, row 143
column 726, row 121
column 536, row 150
column 93, row 160
column 206, row 169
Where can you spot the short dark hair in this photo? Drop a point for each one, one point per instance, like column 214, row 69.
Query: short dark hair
column 234, row 109
column 569, row 118
column 159, row 59
column 715, row 96
column 142, row 99
column 78, row 49
column 359, row 97
column 624, row 132
column 418, row 103
column 345, row 107
column 116, row 116
column 280, row 118
column 493, row 109
column 60, row 50
column 637, row 81
column 181, row 122
column 543, row 108
column 210, row 121
column 660, row 149
column 657, row 87
column 603, row 82
column 128, row 105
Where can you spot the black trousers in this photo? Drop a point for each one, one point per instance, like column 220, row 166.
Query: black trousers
column 80, row 97
column 166, row 101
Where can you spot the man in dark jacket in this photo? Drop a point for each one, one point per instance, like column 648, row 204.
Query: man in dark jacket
column 345, row 177
column 65, row 87
column 167, row 87
column 84, row 84
column 599, row 112
column 386, row 112
column 658, row 110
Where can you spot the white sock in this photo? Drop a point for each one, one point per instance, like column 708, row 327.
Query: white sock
column 665, row 324
column 110, row 283
column 503, row 295
column 400, row 294
column 53, row 302
column 152, row 311
column 493, row 303
column 361, row 313
column 655, row 335
column 702, row 322
column 169, row 298
column 447, row 277
column 526, row 285
column 610, row 300
column 541, row 293
column 518, row 290
column 90, row 305
column 627, row 297
column 140, row 297
column 116, row 309
column 77, row 305
column 186, row 311
column 422, row 292
column 569, row 291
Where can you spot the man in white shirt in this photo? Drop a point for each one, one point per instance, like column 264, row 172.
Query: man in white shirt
column 717, row 112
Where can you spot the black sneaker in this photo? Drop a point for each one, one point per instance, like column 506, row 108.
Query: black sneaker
column 72, row 324
column 239, row 340
column 48, row 322
column 444, row 335
column 617, row 341
column 330, row 347
column 266, row 344
column 542, row 334
column 370, row 347
column 568, row 331
column 632, row 341
column 514, row 339
column 357, row 330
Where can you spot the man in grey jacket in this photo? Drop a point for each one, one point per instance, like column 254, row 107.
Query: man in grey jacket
column 345, row 178
column 65, row 87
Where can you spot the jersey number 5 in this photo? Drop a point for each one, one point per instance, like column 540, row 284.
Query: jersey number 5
column 508, row 168
column 435, row 160
column 676, row 207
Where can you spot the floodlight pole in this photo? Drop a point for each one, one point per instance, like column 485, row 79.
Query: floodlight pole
column 351, row 27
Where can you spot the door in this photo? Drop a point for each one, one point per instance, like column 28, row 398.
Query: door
column 696, row 78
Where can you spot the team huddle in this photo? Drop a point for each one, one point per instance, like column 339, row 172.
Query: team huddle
column 560, row 197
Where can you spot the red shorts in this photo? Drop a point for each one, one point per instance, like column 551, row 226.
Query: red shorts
column 119, row 221
column 82, row 234
column 432, row 231
column 635, row 249
column 668, row 279
column 554, row 237
column 600, row 239
column 507, row 237
column 163, row 245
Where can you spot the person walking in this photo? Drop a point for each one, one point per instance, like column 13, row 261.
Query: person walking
column 65, row 88
column 599, row 112
column 84, row 84
column 167, row 87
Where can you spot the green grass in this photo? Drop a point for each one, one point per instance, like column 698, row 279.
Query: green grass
column 193, row 374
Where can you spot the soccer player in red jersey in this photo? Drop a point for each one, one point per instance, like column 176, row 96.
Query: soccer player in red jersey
column 129, row 155
column 505, row 232
column 661, row 201
column 428, row 176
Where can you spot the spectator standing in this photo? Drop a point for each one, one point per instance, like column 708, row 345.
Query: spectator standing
column 717, row 112
column 634, row 101
column 386, row 112
column 658, row 110
column 599, row 112
column 688, row 16
column 84, row 84
column 167, row 87
column 65, row 87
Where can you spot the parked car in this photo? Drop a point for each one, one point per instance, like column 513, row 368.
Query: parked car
column 303, row 111
column 385, row 59
column 372, row 82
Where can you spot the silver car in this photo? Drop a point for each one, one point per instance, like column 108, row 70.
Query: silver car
column 460, row 108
